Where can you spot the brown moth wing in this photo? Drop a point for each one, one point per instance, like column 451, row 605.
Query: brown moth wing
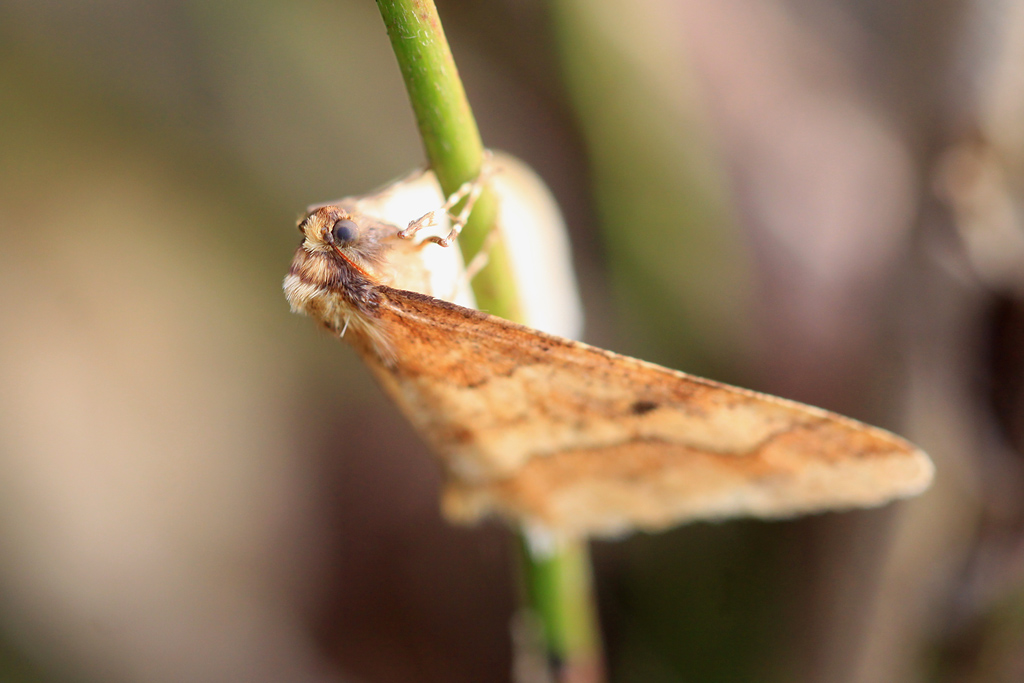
column 551, row 432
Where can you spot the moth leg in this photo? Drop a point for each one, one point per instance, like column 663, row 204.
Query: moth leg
column 480, row 259
column 476, row 264
column 469, row 191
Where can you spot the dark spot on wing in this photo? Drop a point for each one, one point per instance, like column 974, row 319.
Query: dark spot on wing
column 643, row 407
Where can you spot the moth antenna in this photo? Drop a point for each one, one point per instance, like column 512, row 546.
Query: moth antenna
column 345, row 328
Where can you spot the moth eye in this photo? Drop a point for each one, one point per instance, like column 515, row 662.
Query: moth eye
column 344, row 231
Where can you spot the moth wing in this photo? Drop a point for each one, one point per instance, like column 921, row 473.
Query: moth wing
column 551, row 432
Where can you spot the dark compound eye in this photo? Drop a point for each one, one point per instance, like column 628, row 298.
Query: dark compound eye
column 344, row 231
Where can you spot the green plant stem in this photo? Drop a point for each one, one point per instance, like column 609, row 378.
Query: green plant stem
column 560, row 593
column 450, row 136
column 557, row 583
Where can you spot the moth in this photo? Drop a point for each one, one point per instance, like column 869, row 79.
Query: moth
column 554, row 434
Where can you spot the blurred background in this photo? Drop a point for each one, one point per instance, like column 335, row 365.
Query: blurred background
column 815, row 198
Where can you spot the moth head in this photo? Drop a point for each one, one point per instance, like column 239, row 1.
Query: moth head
column 345, row 237
column 330, row 227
